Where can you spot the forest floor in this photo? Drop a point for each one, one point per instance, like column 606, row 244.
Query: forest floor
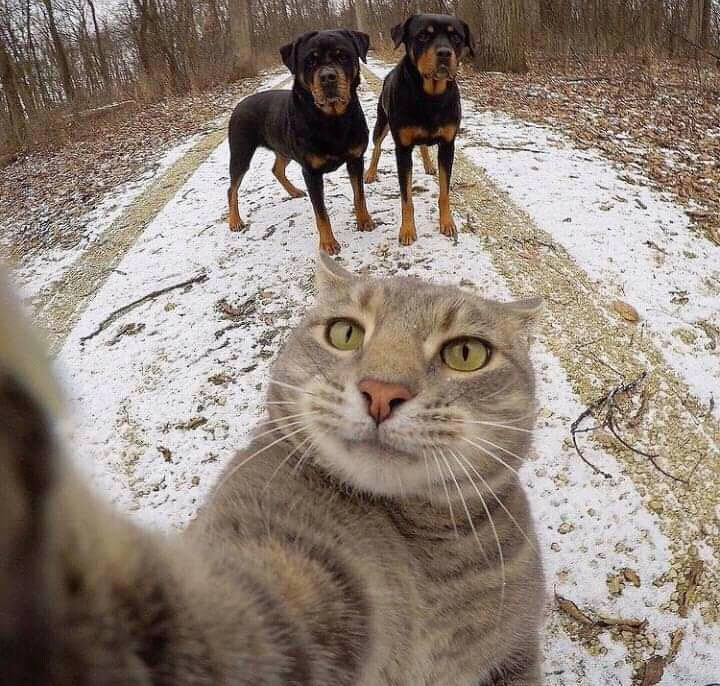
column 164, row 325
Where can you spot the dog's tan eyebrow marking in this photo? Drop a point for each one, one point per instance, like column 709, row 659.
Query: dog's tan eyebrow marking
column 451, row 28
column 430, row 29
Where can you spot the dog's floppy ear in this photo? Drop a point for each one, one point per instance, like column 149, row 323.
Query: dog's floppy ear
column 361, row 41
column 398, row 33
column 287, row 52
column 469, row 40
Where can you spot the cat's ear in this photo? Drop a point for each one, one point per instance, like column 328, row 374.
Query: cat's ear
column 525, row 312
column 329, row 275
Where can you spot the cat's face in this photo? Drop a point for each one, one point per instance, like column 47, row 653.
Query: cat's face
column 397, row 384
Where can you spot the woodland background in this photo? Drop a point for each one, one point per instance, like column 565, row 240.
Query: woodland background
column 64, row 61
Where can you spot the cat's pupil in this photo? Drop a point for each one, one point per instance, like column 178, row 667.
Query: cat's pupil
column 466, row 352
column 348, row 334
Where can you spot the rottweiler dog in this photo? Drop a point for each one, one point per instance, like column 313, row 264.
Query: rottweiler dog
column 318, row 124
column 420, row 105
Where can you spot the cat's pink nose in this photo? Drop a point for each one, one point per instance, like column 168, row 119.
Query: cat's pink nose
column 382, row 398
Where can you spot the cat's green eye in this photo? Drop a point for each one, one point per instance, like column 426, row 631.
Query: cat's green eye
column 465, row 354
column 345, row 334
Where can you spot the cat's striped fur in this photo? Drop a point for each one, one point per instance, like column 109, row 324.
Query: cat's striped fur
column 333, row 551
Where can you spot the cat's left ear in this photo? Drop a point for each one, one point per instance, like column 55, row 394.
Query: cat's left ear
column 330, row 275
column 525, row 312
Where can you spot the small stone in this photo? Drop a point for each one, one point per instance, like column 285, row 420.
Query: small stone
column 615, row 585
column 195, row 481
column 620, row 547
column 555, row 547
column 566, row 528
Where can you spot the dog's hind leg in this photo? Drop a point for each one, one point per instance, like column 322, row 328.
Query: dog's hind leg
column 427, row 160
column 446, row 153
column 240, row 157
column 281, row 163
column 379, row 133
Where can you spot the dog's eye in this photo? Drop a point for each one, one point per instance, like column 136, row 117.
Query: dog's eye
column 341, row 57
column 422, row 36
column 311, row 59
column 455, row 38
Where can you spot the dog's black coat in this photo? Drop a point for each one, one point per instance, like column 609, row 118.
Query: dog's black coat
column 293, row 125
column 416, row 114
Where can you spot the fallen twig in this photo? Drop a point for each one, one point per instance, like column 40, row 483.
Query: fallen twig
column 597, row 620
column 693, row 576
column 485, row 144
column 113, row 316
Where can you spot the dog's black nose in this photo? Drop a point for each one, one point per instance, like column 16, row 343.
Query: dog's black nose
column 328, row 77
column 443, row 53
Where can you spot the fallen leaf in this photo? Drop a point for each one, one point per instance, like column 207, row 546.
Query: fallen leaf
column 652, row 672
column 572, row 610
column 631, row 576
column 627, row 312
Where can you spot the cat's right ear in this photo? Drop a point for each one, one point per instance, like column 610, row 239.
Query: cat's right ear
column 330, row 275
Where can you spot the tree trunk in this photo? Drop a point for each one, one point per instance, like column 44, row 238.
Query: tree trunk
column 98, row 42
column 499, row 30
column 361, row 16
column 8, row 78
column 60, row 53
column 242, row 53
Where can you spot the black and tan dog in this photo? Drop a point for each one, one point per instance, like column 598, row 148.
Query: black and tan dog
column 420, row 105
column 319, row 124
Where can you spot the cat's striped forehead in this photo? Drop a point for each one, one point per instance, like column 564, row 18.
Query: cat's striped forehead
column 420, row 307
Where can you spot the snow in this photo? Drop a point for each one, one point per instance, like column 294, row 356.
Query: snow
column 158, row 413
column 667, row 272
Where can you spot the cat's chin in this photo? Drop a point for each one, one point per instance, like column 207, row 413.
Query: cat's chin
column 373, row 466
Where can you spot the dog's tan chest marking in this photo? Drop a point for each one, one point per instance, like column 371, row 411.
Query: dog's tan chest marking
column 410, row 135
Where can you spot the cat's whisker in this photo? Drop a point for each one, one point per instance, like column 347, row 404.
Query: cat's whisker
column 499, row 447
column 490, row 454
column 284, row 461
column 301, row 461
column 499, row 502
column 280, row 427
column 278, row 420
column 465, row 507
column 299, row 389
column 495, row 533
column 427, row 471
column 493, row 424
column 281, row 402
column 447, row 494
column 241, row 464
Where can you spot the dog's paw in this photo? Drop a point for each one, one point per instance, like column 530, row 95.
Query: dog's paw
column 370, row 176
column 331, row 247
column 365, row 222
column 235, row 223
column 296, row 193
column 447, row 227
column 430, row 169
column 407, row 235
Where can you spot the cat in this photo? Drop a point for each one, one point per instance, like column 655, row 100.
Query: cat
column 373, row 533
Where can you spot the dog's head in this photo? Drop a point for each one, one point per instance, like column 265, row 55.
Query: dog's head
column 327, row 65
column 435, row 43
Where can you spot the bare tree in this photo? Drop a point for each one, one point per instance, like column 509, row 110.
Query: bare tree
column 60, row 53
column 242, row 52
column 16, row 111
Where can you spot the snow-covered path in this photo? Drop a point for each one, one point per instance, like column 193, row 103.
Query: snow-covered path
column 165, row 394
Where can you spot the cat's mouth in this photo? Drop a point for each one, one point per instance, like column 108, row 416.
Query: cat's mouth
column 383, row 447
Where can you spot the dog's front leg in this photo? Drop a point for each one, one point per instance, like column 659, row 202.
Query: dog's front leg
column 314, row 183
column 403, row 155
column 355, row 171
column 446, row 154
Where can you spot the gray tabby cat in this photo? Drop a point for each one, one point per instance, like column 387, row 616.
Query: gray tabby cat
column 373, row 533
